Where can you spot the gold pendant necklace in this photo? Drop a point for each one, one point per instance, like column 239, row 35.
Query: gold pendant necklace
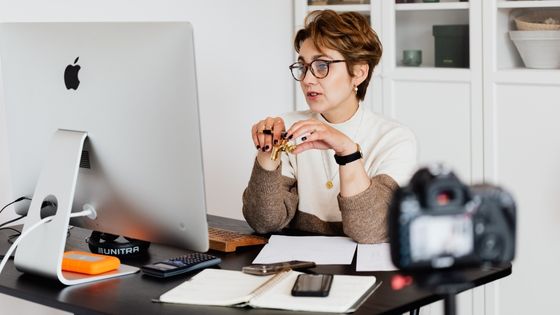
column 330, row 184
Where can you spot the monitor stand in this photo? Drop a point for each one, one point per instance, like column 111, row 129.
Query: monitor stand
column 41, row 251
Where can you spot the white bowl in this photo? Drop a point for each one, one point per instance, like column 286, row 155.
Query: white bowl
column 538, row 49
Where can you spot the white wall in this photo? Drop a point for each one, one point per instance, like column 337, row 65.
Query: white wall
column 243, row 49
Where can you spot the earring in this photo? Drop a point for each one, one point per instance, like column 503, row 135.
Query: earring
column 356, row 89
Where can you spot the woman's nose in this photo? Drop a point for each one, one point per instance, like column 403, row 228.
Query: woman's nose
column 309, row 77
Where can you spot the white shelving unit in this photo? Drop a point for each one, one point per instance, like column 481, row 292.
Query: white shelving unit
column 447, row 98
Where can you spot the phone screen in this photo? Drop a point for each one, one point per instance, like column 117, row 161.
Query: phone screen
column 312, row 285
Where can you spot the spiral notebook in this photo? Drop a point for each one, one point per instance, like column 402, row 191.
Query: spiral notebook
column 233, row 288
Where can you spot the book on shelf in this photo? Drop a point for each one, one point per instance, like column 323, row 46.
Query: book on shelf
column 233, row 288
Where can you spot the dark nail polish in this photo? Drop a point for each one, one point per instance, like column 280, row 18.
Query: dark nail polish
column 283, row 135
column 290, row 137
column 263, row 149
column 275, row 142
column 266, row 147
column 303, row 138
column 258, row 147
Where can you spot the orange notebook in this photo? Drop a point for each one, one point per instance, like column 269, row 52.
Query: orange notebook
column 88, row 263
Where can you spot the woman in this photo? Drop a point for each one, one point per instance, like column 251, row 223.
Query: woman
column 348, row 161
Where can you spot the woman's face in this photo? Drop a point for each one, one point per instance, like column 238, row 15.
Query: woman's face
column 333, row 96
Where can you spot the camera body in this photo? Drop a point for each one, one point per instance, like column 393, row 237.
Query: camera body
column 437, row 222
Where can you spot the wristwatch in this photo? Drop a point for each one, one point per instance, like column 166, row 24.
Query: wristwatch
column 345, row 159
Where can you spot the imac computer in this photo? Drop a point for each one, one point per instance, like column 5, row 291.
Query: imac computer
column 103, row 116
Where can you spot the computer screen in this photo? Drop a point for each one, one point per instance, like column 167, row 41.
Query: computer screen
column 132, row 88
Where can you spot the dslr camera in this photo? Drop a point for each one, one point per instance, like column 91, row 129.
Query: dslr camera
column 437, row 222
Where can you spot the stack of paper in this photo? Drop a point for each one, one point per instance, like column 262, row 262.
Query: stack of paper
column 323, row 250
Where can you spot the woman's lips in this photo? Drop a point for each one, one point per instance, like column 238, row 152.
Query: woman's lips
column 313, row 95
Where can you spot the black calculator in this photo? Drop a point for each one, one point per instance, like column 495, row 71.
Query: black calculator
column 179, row 265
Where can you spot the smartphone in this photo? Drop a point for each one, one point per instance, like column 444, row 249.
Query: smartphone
column 312, row 285
column 268, row 269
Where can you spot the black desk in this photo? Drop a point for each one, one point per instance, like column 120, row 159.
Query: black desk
column 132, row 294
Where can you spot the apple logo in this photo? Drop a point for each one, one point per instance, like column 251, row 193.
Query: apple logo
column 71, row 76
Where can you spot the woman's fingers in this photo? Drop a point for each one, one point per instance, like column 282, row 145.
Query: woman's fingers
column 277, row 128
column 304, row 128
column 260, row 135
column 267, row 132
column 255, row 137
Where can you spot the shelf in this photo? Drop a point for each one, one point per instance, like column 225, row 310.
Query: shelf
column 432, row 6
column 342, row 7
column 427, row 74
column 528, row 4
column 528, row 76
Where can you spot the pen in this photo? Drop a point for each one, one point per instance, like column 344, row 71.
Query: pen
column 274, row 279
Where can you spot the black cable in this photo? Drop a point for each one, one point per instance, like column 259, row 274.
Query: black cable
column 12, row 221
column 15, row 201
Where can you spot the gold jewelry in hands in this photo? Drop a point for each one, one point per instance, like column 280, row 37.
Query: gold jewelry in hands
column 284, row 146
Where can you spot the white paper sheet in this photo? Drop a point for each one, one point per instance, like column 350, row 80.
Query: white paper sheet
column 374, row 257
column 323, row 250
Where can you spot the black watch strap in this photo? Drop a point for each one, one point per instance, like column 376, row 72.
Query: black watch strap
column 345, row 159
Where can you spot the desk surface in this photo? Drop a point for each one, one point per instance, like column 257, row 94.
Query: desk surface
column 133, row 294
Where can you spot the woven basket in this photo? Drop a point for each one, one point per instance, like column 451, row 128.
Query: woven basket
column 539, row 21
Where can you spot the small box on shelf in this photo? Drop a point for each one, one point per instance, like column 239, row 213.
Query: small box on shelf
column 451, row 46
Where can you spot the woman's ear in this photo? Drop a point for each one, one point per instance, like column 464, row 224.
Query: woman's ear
column 360, row 73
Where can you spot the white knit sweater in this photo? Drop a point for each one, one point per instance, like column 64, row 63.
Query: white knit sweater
column 387, row 147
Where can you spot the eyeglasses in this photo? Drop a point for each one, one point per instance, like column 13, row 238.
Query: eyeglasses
column 319, row 68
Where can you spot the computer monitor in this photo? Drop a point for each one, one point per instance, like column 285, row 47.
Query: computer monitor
column 131, row 86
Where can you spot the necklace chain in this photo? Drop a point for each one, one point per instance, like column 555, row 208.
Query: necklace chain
column 329, row 184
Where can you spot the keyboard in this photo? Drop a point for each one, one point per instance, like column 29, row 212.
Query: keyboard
column 228, row 241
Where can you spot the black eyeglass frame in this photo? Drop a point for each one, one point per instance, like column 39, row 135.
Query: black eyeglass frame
column 307, row 66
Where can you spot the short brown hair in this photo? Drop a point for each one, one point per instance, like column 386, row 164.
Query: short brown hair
column 348, row 33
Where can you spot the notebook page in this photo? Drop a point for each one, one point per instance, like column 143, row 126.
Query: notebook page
column 345, row 292
column 215, row 287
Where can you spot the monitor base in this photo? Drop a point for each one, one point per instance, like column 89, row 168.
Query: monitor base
column 41, row 251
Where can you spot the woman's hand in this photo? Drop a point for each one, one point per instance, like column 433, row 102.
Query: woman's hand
column 266, row 133
column 318, row 135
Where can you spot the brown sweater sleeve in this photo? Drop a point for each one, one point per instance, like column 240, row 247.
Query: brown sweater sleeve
column 270, row 200
column 364, row 216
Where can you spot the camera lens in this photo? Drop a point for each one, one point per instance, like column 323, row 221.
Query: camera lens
column 444, row 197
